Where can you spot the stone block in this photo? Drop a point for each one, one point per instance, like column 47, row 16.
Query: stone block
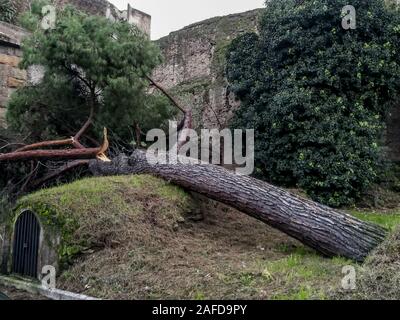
column 4, row 91
column 3, row 123
column 18, row 74
column 15, row 83
column 3, row 101
column 11, row 91
column 4, row 73
column 9, row 60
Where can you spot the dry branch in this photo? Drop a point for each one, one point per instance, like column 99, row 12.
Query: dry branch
column 172, row 99
column 86, row 153
column 59, row 171
column 46, row 144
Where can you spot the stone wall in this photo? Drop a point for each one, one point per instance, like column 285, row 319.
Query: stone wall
column 22, row 5
column 133, row 16
column 101, row 8
column 94, row 7
column 194, row 66
column 4, row 248
column 140, row 19
column 11, row 77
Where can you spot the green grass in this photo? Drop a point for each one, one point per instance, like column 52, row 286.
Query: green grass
column 304, row 293
column 92, row 194
column 139, row 213
column 295, row 272
column 303, row 267
column 246, row 279
column 300, row 274
column 90, row 210
column 199, row 296
column 389, row 221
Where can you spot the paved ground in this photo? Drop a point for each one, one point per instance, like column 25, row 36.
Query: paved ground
column 14, row 294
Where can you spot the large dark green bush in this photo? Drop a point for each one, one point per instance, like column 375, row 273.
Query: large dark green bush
column 317, row 94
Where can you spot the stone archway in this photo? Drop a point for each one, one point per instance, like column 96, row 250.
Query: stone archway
column 26, row 245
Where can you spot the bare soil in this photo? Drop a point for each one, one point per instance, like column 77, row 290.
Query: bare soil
column 225, row 256
column 147, row 239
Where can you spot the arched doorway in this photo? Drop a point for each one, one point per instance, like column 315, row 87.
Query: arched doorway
column 26, row 245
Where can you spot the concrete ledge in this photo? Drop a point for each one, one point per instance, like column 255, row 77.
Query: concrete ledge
column 12, row 34
column 37, row 288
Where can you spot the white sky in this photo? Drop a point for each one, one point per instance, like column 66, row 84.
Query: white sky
column 172, row 15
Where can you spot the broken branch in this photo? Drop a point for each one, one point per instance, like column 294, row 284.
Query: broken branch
column 44, row 144
column 69, row 166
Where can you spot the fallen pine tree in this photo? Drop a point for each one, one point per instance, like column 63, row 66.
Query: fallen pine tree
column 330, row 232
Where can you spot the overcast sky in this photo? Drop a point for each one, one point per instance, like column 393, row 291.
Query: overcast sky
column 172, row 15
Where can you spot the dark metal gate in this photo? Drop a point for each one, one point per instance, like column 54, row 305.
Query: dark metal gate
column 26, row 245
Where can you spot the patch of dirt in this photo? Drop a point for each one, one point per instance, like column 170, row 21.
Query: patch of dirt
column 221, row 257
column 381, row 198
column 139, row 237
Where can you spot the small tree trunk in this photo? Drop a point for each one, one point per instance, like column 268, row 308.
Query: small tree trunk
column 330, row 232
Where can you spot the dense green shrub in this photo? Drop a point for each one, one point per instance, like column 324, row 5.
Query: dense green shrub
column 11, row 174
column 317, row 94
column 8, row 11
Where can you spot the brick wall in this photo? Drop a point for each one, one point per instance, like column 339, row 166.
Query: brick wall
column 140, row 19
column 94, row 7
column 99, row 7
column 11, row 77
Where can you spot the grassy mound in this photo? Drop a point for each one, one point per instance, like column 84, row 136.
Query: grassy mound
column 135, row 238
column 379, row 277
column 102, row 212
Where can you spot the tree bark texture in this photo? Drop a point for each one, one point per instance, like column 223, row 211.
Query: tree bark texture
column 330, row 232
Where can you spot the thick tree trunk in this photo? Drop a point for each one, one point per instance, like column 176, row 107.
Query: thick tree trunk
column 328, row 231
